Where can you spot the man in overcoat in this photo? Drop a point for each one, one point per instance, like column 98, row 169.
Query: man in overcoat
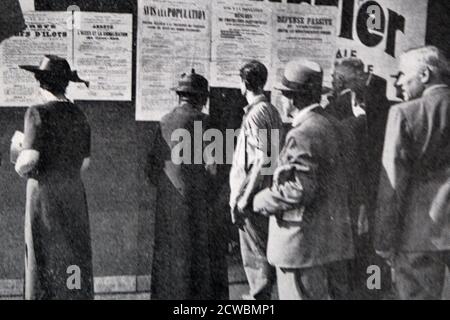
column 412, row 221
column 189, row 260
column 309, row 226
column 351, row 105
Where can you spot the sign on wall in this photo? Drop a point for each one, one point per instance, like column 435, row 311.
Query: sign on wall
column 241, row 31
column 103, row 55
column 46, row 33
column 173, row 38
column 303, row 31
column 377, row 32
column 98, row 45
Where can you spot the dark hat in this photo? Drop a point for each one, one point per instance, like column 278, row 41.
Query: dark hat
column 193, row 83
column 55, row 66
column 299, row 75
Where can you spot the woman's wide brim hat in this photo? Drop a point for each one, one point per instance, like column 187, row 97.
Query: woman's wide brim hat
column 55, row 67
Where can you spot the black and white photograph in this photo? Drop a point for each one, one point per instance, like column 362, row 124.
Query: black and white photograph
column 236, row 151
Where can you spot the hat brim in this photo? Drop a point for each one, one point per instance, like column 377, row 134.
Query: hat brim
column 177, row 89
column 281, row 87
column 34, row 69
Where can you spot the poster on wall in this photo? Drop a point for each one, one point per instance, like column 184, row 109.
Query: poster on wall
column 303, row 31
column 174, row 37
column 241, row 31
column 378, row 32
column 45, row 33
column 103, row 55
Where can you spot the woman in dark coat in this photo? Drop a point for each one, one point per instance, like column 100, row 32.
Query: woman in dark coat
column 189, row 257
column 56, row 147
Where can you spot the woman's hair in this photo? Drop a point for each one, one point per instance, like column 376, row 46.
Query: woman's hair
column 53, row 83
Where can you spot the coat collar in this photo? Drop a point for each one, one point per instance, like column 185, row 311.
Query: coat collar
column 345, row 91
column 188, row 106
column 258, row 99
column 434, row 87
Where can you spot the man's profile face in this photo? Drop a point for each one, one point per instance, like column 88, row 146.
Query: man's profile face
column 287, row 103
column 398, row 89
column 409, row 79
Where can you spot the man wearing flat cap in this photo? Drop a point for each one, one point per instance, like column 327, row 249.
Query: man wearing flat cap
column 187, row 260
column 310, row 227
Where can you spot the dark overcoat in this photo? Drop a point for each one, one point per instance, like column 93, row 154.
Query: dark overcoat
column 57, row 232
column 189, row 259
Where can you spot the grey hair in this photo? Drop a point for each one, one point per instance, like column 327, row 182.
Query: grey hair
column 429, row 57
column 352, row 63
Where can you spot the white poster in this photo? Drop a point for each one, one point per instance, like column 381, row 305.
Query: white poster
column 304, row 31
column 241, row 31
column 46, row 33
column 103, row 55
column 379, row 31
column 173, row 38
column 97, row 45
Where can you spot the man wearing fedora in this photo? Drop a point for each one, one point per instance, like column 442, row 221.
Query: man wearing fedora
column 310, row 227
column 187, row 260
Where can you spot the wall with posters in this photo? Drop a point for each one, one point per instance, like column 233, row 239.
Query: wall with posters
column 120, row 199
column 273, row 32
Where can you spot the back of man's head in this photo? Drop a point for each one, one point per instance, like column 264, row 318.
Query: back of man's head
column 349, row 73
column 254, row 75
column 354, row 65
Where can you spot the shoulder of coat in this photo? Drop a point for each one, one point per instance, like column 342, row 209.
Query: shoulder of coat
column 404, row 106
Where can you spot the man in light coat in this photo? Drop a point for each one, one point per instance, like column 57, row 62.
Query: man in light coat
column 309, row 227
column 412, row 220
column 258, row 141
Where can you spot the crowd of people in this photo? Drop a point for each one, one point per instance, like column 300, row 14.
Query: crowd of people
column 357, row 184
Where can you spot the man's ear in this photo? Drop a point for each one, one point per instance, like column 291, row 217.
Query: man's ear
column 425, row 76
